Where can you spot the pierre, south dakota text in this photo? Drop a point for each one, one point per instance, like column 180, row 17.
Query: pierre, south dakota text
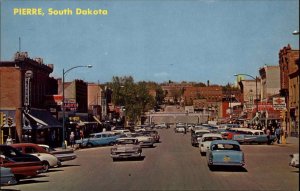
column 59, row 12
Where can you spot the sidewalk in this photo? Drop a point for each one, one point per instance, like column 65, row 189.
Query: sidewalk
column 292, row 140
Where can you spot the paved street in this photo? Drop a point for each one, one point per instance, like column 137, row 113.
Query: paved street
column 173, row 165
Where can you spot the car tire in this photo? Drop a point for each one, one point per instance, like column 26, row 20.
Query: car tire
column 89, row 145
column 46, row 166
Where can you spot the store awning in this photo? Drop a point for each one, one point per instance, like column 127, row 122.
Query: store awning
column 97, row 120
column 41, row 119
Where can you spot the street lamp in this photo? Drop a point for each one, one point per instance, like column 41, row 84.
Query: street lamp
column 255, row 78
column 63, row 100
column 296, row 32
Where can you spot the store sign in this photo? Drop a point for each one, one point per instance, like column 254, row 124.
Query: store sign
column 70, row 104
column 279, row 103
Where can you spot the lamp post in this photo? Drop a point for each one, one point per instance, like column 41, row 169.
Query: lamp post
column 255, row 78
column 296, row 32
column 63, row 100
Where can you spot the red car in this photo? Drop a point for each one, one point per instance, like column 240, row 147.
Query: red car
column 21, row 169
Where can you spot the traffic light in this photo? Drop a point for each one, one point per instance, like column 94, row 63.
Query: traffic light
column 2, row 119
column 9, row 121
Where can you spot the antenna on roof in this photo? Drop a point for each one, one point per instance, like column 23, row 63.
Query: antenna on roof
column 19, row 44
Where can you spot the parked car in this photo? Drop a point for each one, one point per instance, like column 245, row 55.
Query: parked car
column 99, row 139
column 7, row 177
column 48, row 159
column 62, row 154
column 225, row 153
column 294, row 160
column 126, row 147
column 249, row 136
column 21, row 169
column 16, row 155
column 162, row 126
column 197, row 135
column 206, row 140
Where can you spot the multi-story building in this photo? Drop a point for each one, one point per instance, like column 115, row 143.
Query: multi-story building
column 97, row 103
column 250, row 90
column 289, row 87
column 24, row 83
column 75, row 95
column 270, row 81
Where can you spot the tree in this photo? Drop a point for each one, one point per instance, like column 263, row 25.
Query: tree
column 133, row 96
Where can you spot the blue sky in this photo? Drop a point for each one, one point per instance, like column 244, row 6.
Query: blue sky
column 154, row 40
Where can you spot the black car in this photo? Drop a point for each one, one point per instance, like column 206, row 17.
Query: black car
column 16, row 155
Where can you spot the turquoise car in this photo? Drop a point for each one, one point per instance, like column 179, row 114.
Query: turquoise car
column 225, row 153
column 99, row 139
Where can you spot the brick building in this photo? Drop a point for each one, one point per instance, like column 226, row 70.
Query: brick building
column 24, row 83
column 289, row 87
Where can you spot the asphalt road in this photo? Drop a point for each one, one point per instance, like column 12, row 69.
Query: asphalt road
column 172, row 165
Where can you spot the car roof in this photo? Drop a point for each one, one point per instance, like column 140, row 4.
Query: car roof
column 24, row 145
column 201, row 130
column 225, row 142
column 212, row 135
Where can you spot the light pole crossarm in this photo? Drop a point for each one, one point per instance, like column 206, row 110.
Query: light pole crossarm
column 246, row 75
column 64, row 72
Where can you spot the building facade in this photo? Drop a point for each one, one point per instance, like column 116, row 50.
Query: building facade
column 289, row 87
column 24, row 83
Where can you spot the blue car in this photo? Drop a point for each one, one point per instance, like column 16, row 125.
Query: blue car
column 99, row 139
column 225, row 153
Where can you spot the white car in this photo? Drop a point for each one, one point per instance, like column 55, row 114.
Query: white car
column 206, row 139
column 48, row 159
column 294, row 160
column 61, row 154
column 144, row 140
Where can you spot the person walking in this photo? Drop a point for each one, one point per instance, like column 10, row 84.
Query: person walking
column 72, row 139
column 278, row 134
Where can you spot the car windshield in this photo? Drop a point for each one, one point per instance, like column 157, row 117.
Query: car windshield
column 126, row 141
column 233, row 147
column 211, row 138
column 200, row 134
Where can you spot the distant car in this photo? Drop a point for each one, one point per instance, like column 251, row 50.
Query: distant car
column 197, row 135
column 48, row 159
column 294, row 160
column 7, row 177
column 225, row 153
column 152, row 133
column 180, row 128
column 99, row 139
column 62, row 154
column 126, row 147
column 206, row 139
column 21, row 169
column 162, row 126
column 145, row 140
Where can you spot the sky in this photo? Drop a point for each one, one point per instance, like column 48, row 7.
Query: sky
column 153, row 40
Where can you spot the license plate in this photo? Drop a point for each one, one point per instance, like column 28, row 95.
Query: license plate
column 226, row 159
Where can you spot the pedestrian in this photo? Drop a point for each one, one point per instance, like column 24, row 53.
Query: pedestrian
column 9, row 140
column 72, row 139
column 268, row 135
column 278, row 134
